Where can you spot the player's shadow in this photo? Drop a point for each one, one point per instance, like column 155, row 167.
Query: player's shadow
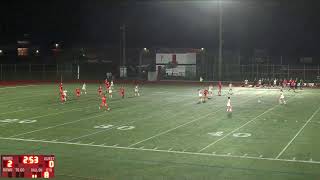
column 229, row 115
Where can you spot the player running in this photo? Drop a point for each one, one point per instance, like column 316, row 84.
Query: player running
column 65, row 95
column 122, row 92
column 210, row 91
column 107, row 84
column 61, row 88
column 110, row 92
column 229, row 107
column 78, row 92
column 136, row 91
column 104, row 103
column 230, row 89
column 62, row 98
column 219, row 88
column 200, row 96
column 205, row 95
column 281, row 98
column 112, row 84
column 84, row 88
column 246, row 83
column 100, row 90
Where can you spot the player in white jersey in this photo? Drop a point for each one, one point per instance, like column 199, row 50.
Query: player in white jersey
column 136, row 91
column 65, row 95
column 246, row 83
column 229, row 107
column 259, row 83
column 201, row 79
column 274, row 82
column 111, row 84
column 281, row 98
column 210, row 90
column 84, row 88
column 201, row 98
column 230, row 88
column 110, row 92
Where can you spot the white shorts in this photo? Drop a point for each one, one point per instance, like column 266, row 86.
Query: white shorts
column 200, row 95
column 282, row 97
column 110, row 91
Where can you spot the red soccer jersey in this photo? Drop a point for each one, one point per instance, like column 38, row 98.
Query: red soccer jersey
column 100, row 89
column 122, row 91
column 60, row 87
column 78, row 91
column 219, row 84
column 205, row 92
column 104, row 100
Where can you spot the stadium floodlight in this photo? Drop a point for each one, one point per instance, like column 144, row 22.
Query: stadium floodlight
column 145, row 49
column 57, row 45
column 37, row 51
column 1, row 51
column 202, row 49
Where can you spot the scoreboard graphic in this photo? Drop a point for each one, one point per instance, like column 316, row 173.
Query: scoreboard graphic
column 27, row 166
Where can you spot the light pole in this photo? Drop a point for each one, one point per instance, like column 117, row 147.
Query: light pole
column 220, row 41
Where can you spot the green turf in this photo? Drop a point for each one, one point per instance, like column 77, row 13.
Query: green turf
column 167, row 136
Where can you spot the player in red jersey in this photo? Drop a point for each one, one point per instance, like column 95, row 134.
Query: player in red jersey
column 107, row 84
column 122, row 92
column 62, row 98
column 61, row 88
column 284, row 83
column 219, row 88
column 205, row 93
column 104, row 103
column 78, row 92
column 100, row 90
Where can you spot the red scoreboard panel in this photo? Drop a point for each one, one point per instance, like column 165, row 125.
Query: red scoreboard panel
column 27, row 166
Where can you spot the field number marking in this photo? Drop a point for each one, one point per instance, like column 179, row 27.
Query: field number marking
column 122, row 128
column 220, row 133
column 25, row 121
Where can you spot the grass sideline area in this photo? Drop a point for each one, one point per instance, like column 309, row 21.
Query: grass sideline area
column 164, row 133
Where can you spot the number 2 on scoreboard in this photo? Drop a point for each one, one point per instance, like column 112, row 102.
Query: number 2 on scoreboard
column 9, row 164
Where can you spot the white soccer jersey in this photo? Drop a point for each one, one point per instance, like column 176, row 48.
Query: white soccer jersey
column 281, row 95
column 230, row 85
column 84, row 86
column 246, row 82
column 229, row 102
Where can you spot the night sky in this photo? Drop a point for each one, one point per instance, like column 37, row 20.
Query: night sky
column 284, row 27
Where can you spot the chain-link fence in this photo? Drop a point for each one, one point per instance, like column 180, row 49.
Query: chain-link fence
column 236, row 72
column 230, row 72
column 10, row 72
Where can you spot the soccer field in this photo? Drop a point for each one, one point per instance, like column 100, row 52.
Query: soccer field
column 164, row 133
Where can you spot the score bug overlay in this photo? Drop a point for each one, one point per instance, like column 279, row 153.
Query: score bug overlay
column 27, row 166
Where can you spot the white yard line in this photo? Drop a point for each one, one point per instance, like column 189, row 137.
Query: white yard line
column 184, row 124
column 50, row 127
column 163, row 151
column 11, row 87
column 127, row 123
column 253, row 119
column 237, row 128
column 62, row 124
column 285, row 148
